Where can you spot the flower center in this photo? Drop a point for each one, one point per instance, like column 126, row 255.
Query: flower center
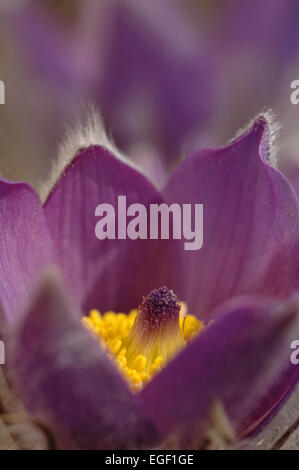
column 144, row 340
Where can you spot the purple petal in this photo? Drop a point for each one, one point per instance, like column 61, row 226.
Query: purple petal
column 104, row 274
column 274, row 37
column 45, row 43
column 69, row 383
column 251, row 223
column 151, row 162
column 293, row 177
column 25, row 245
column 166, row 77
column 242, row 360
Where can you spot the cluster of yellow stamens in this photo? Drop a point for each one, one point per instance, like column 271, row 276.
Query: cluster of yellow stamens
column 117, row 331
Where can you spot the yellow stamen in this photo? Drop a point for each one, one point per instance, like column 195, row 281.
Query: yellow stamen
column 113, row 330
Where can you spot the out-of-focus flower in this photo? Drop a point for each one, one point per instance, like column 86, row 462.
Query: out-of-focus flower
column 159, row 84
column 164, row 79
column 249, row 263
column 256, row 46
column 144, row 63
column 102, row 48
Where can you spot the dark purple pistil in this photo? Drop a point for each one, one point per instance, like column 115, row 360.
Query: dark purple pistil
column 160, row 305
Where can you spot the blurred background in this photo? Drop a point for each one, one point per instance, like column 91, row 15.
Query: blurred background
column 169, row 77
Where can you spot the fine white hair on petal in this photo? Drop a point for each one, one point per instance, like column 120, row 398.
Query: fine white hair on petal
column 274, row 130
column 87, row 132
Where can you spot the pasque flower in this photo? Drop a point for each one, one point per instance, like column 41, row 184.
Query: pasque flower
column 152, row 49
column 231, row 376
